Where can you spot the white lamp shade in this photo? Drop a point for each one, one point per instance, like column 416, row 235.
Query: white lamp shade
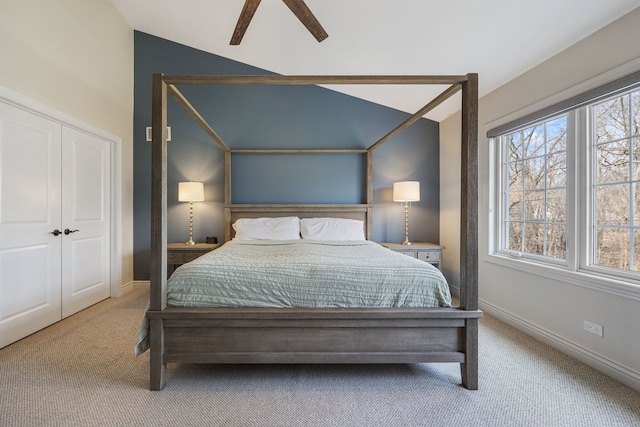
column 406, row 191
column 190, row 192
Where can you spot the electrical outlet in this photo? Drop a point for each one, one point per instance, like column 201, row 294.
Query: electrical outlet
column 594, row 328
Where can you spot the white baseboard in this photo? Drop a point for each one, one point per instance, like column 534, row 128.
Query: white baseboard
column 615, row 370
column 125, row 288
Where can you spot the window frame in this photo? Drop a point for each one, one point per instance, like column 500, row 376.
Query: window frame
column 588, row 208
column 501, row 209
column 579, row 267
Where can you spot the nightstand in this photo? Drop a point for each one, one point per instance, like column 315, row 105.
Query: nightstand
column 428, row 252
column 180, row 253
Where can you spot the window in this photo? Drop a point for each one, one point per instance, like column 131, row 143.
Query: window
column 615, row 132
column 568, row 186
column 535, row 201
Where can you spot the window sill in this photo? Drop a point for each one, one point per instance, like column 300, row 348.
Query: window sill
column 589, row 280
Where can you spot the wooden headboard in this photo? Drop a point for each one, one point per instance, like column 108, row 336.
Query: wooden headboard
column 351, row 211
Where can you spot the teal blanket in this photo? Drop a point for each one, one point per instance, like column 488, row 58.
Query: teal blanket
column 304, row 273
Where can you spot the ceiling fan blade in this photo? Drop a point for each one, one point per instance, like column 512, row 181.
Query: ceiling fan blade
column 246, row 15
column 302, row 11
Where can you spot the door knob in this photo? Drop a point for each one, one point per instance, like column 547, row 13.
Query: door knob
column 67, row 231
column 56, row 232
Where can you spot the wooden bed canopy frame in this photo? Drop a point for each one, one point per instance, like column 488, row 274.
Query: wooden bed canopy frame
column 320, row 335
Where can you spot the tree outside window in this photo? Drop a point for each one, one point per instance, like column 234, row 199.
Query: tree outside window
column 535, row 208
column 616, row 216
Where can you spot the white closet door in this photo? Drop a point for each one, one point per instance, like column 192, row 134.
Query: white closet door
column 30, row 149
column 86, row 195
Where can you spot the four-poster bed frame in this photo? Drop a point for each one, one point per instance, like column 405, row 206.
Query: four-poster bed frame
column 317, row 335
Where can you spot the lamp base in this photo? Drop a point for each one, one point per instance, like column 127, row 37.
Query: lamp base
column 406, row 241
column 190, row 242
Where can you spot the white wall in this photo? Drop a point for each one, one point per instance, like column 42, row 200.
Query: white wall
column 552, row 310
column 77, row 57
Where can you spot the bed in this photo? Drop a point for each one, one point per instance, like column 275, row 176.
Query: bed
column 302, row 334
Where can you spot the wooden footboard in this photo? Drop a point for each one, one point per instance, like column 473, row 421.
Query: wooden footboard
column 248, row 335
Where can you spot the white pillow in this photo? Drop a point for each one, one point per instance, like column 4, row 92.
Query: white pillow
column 282, row 228
column 332, row 229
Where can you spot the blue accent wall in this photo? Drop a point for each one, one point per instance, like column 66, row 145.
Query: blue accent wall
column 274, row 117
column 323, row 178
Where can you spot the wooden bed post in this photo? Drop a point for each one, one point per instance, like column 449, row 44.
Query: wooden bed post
column 369, row 200
column 469, row 228
column 227, row 193
column 158, row 267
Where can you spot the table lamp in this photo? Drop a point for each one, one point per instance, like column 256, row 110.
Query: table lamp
column 406, row 191
column 190, row 192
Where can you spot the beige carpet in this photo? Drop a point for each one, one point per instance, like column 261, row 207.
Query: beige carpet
column 82, row 371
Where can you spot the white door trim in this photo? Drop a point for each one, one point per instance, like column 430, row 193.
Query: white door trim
column 24, row 102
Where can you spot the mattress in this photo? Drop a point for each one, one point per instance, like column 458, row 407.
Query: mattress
column 305, row 273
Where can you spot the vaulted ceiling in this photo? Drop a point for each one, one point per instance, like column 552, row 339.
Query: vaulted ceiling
column 498, row 39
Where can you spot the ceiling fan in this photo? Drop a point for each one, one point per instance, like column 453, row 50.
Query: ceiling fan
column 298, row 7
